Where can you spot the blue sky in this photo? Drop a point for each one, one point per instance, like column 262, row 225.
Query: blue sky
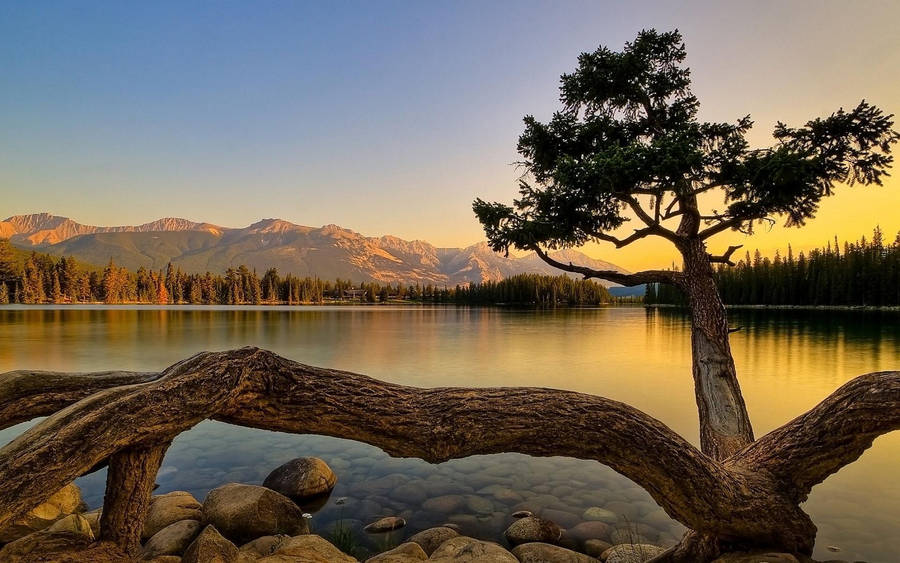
column 385, row 117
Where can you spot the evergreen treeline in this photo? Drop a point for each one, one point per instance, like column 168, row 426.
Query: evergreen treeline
column 866, row 272
column 40, row 278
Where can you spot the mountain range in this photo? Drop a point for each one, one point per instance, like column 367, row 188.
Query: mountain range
column 328, row 252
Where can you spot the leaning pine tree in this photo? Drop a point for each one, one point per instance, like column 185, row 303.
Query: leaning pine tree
column 628, row 144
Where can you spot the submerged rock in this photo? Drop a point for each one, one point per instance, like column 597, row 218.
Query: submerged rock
column 245, row 512
column 385, row 525
column 302, row 478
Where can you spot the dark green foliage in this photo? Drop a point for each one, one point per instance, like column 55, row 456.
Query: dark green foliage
column 862, row 273
column 627, row 139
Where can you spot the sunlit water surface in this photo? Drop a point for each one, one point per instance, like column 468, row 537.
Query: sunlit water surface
column 787, row 362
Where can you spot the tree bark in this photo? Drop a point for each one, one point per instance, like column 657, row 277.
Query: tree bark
column 724, row 422
column 748, row 500
column 129, row 487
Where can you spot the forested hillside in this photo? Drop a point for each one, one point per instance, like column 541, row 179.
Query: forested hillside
column 861, row 273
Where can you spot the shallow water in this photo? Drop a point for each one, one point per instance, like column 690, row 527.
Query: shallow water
column 787, row 361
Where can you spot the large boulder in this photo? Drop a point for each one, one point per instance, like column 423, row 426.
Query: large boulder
column 71, row 533
column 63, row 502
column 302, row 478
column 170, row 508
column 245, row 512
column 463, row 549
column 172, row 540
column 532, row 529
column 432, row 538
column 210, row 547
column 546, row 553
column 307, row 549
column 404, row 553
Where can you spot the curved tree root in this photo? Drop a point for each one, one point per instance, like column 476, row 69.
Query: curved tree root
column 751, row 499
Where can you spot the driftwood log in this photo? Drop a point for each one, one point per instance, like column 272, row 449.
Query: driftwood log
column 751, row 499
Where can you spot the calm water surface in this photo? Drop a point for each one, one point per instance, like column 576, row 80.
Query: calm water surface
column 787, row 362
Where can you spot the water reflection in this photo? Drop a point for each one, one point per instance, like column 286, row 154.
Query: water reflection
column 787, row 362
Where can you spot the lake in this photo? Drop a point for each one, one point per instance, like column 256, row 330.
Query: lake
column 787, row 362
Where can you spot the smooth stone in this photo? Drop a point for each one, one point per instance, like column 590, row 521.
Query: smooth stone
column 756, row 557
column 265, row 545
column 595, row 548
column 546, row 553
column 626, row 510
column 210, row 547
column 600, row 514
column 170, row 508
column 245, row 512
column 403, row 553
column 561, row 517
column 72, row 533
column 62, row 503
column 532, row 529
column 309, row 548
column 465, row 550
column 453, row 526
column 630, row 553
column 93, row 518
column 444, row 504
column 172, row 540
column 301, row 478
column 410, row 493
column 522, row 514
column 432, row 538
column 594, row 530
column 479, row 505
column 385, row 524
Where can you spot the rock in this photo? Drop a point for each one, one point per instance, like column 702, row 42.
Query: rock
column 630, row 553
column 210, row 547
column 561, row 517
column 507, row 496
column 412, row 492
column 479, row 505
column 444, row 504
column 385, row 525
column 522, row 514
column 594, row 530
column 172, row 540
column 73, row 524
column 302, row 478
column 265, row 545
column 453, row 526
column 546, row 553
column 595, row 548
column 463, row 550
column 72, row 533
column 308, row 549
column 600, row 514
column 757, row 557
column 166, row 559
column 404, row 553
column 245, row 512
column 432, row 538
column 62, row 503
column 170, row 508
column 532, row 529
column 93, row 518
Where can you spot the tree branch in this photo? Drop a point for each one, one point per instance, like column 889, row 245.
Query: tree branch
column 805, row 451
column 647, row 276
column 726, row 257
column 721, row 226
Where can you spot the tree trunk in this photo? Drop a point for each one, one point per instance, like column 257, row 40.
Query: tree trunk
column 724, row 423
column 129, row 486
